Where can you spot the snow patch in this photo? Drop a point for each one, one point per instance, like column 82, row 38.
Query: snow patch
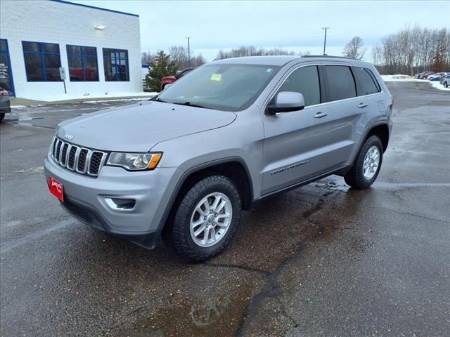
column 400, row 77
column 407, row 78
column 439, row 86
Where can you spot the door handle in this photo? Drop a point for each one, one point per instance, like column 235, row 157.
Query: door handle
column 320, row 115
column 362, row 105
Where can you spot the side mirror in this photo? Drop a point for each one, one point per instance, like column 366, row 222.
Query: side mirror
column 286, row 101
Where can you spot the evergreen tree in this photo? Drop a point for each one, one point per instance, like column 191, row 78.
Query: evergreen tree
column 160, row 66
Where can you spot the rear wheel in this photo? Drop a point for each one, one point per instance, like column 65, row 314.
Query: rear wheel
column 2, row 115
column 367, row 164
column 446, row 84
column 206, row 218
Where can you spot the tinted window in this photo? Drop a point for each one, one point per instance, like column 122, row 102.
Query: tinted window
column 340, row 83
column 365, row 84
column 42, row 61
column 115, row 62
column 82, row 63
column 305, row 81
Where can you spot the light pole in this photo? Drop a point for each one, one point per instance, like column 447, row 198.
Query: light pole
column 325, row 39
column 189, row 50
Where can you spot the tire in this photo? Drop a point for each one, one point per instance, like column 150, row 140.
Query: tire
column 196, row 202
column 446, row 84
column 356, row 177
column 2, row 115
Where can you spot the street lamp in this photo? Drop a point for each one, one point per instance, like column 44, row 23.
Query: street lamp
column 189, row 50
column 325, row 40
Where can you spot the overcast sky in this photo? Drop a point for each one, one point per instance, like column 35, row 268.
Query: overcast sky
column 214, row 25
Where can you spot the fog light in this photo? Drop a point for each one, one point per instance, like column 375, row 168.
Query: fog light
column 120, row 204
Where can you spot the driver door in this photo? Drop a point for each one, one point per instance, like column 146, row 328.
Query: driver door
column 298, row 144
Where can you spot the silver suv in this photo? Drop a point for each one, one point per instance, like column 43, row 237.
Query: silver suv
column 185, row 163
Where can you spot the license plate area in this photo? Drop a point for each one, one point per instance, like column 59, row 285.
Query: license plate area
column 56, row 188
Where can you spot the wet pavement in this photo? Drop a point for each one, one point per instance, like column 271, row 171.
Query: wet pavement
column 321, row 260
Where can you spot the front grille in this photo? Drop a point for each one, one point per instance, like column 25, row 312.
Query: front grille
column 76, row 158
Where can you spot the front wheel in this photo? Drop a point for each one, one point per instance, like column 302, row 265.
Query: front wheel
column 367, row 164
column 2, row 115
column 206, row 218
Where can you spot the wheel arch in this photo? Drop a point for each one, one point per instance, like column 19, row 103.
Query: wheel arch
column 382, row 132
column 233, row 168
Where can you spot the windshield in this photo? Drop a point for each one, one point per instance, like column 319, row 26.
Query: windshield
column 230, row 87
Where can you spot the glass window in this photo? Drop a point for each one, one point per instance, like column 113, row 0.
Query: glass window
column 340, row 83
column 42, row 61
column 82, row 63
column 304, row 80
column 230, row 87
column 365, row 84
column 115, row 62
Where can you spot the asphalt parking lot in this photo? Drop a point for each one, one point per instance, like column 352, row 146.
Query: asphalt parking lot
column 320, row 260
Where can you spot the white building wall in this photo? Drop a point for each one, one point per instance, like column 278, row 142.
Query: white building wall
column 62, row 23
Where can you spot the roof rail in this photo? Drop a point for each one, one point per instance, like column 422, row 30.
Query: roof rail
column 328, row 56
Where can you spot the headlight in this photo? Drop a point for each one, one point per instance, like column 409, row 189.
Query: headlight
column 134, row 161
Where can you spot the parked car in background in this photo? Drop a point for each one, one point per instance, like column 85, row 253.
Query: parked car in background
column 435, row 77
column 170, row 79
column 423, row 75
column 443, row 77
column 445, row 81
column 5, row 102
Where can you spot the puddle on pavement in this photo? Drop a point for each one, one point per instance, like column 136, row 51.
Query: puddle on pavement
column 213, row 317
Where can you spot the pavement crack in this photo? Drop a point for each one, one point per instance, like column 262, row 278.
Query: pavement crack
column 271, row 288
column 235, row 266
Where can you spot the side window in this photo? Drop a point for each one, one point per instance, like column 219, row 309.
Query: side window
column 115, row 62
column 304, row 80
column 365, row 84
column 42, row 61
column 82, row 63
column 340, row 83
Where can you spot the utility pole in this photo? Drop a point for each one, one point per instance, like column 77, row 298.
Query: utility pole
column 325, row 40
column 189, row 50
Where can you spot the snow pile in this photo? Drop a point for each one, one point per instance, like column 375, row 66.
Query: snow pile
column 407, row 78
column 399, row 77
column 439, row 86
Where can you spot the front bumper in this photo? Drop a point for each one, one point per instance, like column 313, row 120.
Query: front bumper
column 86, row 197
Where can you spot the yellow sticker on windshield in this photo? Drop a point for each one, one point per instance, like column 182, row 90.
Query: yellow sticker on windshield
column 216, row 77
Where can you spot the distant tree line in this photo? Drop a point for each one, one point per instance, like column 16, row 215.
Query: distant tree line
column 252, row 51
column 413, row 50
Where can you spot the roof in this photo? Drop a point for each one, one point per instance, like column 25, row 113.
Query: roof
column 94, row 7
column 281, row 60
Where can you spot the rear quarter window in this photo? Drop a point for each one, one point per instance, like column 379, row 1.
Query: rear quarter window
column 365, row 82
column 340, row 83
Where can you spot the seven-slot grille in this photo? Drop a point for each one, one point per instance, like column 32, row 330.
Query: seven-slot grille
column 76, row 158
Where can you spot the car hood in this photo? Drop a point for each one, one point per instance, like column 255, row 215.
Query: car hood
column 139, row 127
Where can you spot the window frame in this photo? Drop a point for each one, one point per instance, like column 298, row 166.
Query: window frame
column 83, row 60
column 5, row 51
column 289, row 72
column 371, row 76
column 41, row 54
column 117, row 51
column 325, row 78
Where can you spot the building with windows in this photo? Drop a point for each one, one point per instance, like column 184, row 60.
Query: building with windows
column 54, row 49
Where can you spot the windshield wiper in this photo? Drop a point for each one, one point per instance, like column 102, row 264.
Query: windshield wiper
column 191, row 104
column 157, row 99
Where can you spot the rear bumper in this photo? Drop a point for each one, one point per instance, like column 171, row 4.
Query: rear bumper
column 86, row 198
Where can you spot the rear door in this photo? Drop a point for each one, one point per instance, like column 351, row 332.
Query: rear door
column 304, row 144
